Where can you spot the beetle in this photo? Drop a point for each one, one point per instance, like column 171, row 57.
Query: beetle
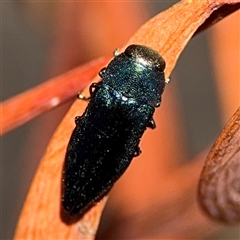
column 107, row 135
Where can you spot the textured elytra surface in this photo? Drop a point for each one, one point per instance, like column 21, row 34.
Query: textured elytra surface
column 107, row 135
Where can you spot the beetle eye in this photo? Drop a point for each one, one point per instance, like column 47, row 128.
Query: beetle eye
column 160, row 64
column 131, row 50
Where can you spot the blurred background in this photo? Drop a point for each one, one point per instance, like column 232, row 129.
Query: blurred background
column 40, row 40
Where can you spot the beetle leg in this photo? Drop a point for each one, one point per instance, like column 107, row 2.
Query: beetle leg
column 78, row 119
column 102, row 72
column 137, row 151
column 167, row 80
column 80, row 96
column 151, row 124
column 93, row 87
column 116, row 52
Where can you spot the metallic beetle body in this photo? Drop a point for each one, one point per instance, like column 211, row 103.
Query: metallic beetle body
column 107, row 135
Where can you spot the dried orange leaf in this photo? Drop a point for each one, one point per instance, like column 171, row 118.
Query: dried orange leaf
column 219, row 187
column 168, row 33
column 24, row 107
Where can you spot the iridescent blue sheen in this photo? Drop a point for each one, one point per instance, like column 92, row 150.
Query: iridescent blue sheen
column 107, row 135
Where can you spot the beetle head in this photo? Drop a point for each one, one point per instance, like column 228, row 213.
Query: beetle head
column 137, row 73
